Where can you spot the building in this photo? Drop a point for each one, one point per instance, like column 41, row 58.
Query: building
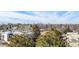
column 6, row 35
column 17, row 32
column 72, row 36
column 30, row 35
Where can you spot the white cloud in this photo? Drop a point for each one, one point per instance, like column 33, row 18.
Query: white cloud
column 16, row 17
column 39, row 17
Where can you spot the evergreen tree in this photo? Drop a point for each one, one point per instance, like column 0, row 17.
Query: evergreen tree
column 67, row 30
column 50, row 39
column 36, row 31
column 20, row 41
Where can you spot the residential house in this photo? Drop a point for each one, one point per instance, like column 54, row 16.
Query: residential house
column 72, row 36
column 6, row 35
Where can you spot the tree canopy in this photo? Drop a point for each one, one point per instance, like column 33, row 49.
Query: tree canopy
column 20, row 41
column 50, row 39
column 67, row 30
column 35, row 30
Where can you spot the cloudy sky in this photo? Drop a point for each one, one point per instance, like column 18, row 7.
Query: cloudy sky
column 45, row 17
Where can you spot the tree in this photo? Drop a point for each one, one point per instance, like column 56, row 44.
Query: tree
column 35, row 30
column 50, row 39
column 41, row 42
column 67, row 30
column 20, row 41
column 56, row 31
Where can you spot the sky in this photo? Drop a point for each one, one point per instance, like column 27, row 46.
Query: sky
column 35, row 17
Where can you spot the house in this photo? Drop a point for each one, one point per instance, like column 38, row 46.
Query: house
column 30, row 35
column 6, row 35
column 72, row 36
column 17, row 32
column 41, row 30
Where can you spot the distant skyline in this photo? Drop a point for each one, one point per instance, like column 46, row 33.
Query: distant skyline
column 44, row 17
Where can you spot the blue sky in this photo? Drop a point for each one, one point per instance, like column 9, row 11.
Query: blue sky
column 45, row 17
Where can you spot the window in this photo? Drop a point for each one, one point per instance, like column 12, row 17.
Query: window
column 10, row 35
